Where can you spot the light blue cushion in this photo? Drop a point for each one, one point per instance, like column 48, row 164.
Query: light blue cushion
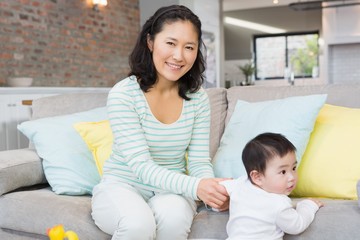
column 293, row 117
column 68, row 164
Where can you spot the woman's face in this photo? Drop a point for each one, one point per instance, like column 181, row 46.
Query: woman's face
column 174, row 50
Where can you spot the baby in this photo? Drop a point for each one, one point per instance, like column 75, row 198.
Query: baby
column 259, row 204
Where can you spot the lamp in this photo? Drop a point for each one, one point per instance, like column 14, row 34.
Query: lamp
column 96, row 4
column 252, row 25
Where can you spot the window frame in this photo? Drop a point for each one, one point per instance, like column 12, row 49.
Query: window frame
column 286, row 35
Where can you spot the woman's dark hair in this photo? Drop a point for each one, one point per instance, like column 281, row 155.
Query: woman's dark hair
column 263, row 148
column 140, row 60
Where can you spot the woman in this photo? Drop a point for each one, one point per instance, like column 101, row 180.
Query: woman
column 160, row 119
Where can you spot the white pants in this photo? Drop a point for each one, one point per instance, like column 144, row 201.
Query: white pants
column 127, row 213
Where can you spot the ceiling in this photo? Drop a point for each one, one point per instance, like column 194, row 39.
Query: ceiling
column 231, row 5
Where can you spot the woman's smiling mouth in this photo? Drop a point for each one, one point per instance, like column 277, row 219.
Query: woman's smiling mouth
column 174, row 66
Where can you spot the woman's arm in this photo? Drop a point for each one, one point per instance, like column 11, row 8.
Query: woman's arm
column 199, row 165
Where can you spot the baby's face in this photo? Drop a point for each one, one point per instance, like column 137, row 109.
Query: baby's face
column 280, row 175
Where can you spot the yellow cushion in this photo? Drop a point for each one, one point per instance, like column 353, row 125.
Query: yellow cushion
column 330, row 166
column 99, row 139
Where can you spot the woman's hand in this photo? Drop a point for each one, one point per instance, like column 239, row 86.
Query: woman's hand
column 225, row 206
column 213, row 194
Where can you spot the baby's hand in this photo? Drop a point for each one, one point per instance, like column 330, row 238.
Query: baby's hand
column 318, row 202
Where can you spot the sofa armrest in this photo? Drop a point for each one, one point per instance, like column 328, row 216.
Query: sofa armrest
column 358, row 192
column 20, row 168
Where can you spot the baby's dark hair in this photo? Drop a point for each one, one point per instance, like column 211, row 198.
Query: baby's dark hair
column 263, row 148
column 140, row 59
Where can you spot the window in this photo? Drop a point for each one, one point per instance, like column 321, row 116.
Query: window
column 279, row 55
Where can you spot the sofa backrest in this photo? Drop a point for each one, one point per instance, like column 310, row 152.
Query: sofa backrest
column 346, row 95
column 76, row 102
column 218, row 107
column 66, row 104
column 222, row 102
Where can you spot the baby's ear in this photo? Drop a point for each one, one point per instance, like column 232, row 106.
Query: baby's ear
column 256, row 177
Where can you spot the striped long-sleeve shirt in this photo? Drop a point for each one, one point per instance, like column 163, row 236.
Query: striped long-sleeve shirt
column 151, row 155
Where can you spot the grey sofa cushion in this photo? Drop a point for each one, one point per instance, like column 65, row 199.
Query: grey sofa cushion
column 209, row 224
column 19, row 168
column 7, row 234
column 337, row 220
column 38, row 210
column 358, row 191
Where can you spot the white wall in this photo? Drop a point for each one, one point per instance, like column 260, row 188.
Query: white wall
column 341, row 26
column 149, row 7
column 209, row 12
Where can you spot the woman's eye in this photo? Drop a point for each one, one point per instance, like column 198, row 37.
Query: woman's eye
column 283, row 172
column 170, row 43
column 294, row 169
column 190, row 48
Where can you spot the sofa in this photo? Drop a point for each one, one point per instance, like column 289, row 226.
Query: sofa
column 28, row 206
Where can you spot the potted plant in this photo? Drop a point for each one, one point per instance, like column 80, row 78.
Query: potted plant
column 248, row 70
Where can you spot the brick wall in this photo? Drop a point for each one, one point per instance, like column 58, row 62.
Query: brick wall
column 66, row 42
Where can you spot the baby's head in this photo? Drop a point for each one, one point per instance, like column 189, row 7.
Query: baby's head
column 270, row 163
